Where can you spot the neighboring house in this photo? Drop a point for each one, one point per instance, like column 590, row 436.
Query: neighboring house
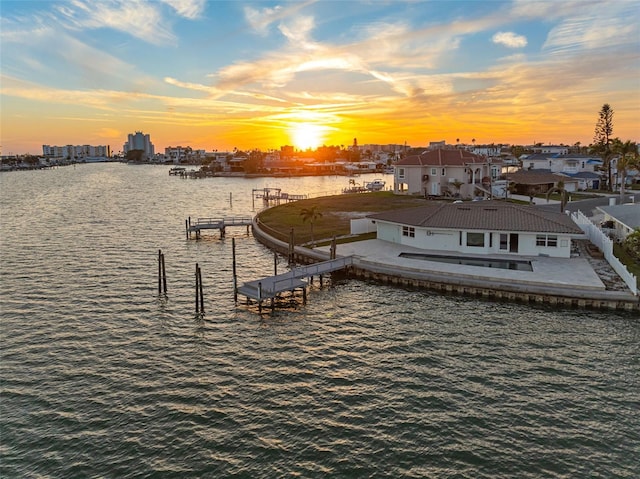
column 482, row 227
column 535, row 182
column 620, row 220
column 572, row 165
column 553, row 149
column 443, row 171
column 587, row 180
column 633, row 176
column 487, row 150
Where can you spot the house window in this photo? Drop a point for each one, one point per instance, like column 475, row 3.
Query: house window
column 550, row 241
column 401, row 173
column 434, row 171
column 409, row 231
column 475, row 239
column 504, row 241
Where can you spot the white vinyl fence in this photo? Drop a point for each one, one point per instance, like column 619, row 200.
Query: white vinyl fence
column 602, row 241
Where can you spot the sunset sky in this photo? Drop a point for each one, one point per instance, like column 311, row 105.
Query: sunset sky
column 219, row 75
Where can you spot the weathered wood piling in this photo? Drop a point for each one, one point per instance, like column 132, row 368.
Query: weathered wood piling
column 162, row 274
column 199, row 291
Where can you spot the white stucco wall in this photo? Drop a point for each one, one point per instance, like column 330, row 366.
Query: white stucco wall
column 362, row 225
column 449, row 241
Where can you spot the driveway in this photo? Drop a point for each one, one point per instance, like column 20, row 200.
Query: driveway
column 588, row 207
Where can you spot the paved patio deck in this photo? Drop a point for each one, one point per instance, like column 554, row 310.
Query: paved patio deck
column 554, row 273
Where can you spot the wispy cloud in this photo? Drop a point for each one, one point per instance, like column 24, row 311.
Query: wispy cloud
column 298, row 32
column 260, row 20
column 510, row 39
column 597, row 27
column 65, row 56
column 137, row 18
column 391, row 74
column 191, row 9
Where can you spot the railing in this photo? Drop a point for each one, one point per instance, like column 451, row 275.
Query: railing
column 237, row 220
column 226, row 221
column 602, row 241
column 288, row 278
column 323, row 267
column 292, row 279
column 207, row 221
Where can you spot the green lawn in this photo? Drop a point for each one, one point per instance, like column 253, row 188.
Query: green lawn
column 337, row 212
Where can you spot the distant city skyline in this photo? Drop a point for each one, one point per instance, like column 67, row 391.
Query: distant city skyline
column 217, row 75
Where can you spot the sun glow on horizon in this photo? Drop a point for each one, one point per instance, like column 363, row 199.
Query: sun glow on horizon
column 307, row 135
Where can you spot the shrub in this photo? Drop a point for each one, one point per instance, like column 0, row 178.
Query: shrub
column 632, row 245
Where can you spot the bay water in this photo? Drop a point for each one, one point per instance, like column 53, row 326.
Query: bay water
column 102, row 377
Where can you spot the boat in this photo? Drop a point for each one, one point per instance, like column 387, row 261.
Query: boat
column 375, row 185
column 354, row 188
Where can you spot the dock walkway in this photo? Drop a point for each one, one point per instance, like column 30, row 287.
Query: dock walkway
column 216, row 224
column 272, row 286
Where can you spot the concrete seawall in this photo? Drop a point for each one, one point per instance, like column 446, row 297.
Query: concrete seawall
column 487, row 288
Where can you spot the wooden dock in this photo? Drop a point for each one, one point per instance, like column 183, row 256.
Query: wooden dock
column 272, row 286
column 274, row 196
column 216, row 224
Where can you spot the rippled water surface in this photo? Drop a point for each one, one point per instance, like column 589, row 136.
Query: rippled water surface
column 101, row 377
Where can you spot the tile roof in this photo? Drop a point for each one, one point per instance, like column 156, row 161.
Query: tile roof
column 483, row 215
column 442, row 157
column 540, row 156
column 589, row 175
column 534, row 177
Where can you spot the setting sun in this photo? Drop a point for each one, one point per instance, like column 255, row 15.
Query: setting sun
column 307, row 135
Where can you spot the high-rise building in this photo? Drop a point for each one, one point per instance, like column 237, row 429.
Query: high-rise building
column 76, row 152
column 139, row 141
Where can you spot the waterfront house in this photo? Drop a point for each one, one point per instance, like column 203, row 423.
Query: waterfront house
column 480, row 228
column 444, row 172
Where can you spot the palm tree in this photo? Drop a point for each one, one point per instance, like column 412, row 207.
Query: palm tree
column 602, row 139
column 310, row 214
column 563, row 194
column 457, row 184
column 627, row 158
